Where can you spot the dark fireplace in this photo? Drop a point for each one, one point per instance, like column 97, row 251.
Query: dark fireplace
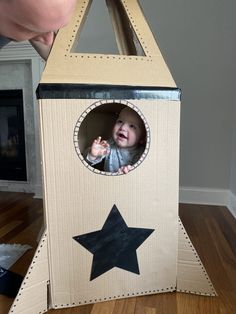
column 12, row 136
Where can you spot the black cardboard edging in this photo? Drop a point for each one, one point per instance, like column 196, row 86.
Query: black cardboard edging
column 89, row 91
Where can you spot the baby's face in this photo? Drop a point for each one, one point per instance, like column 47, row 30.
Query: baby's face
column 128, row 130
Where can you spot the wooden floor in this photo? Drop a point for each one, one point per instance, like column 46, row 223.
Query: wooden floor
column 212, row 230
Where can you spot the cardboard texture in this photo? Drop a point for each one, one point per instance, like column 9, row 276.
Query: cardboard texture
column 32, row 296
column 78, row 201
column 111, row 235
column 191, row 274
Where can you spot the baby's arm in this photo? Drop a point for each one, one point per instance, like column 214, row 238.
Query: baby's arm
column 98, row 149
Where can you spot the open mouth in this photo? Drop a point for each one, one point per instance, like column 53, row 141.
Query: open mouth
column 122, row 136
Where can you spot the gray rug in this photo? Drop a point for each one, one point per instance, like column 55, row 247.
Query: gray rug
column 10, row 253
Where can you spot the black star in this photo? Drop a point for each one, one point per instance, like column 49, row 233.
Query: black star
column 114, row 245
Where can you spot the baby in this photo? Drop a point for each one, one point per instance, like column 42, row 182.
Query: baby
column 124, row 148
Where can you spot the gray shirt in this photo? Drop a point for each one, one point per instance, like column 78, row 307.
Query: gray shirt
column 118, row 157
column 4, row 41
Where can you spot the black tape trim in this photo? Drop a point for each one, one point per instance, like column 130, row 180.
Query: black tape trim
column 89, row 91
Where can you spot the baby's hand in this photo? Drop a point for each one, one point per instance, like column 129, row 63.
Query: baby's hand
column 125, row 169
column 99, row 148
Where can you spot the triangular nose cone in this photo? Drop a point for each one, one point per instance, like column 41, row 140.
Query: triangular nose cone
column 136, row 59
column 100, row 39
column 112, row 33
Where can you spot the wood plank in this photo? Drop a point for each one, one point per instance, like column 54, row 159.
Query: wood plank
column 9, row 227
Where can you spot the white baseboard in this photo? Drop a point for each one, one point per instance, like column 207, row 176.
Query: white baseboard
column 22, row 187
column 16, row 186
column 38, row 191
column 232, row 205
column 196, row 195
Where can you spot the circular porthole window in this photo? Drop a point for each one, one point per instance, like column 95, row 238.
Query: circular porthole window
column 111, row 138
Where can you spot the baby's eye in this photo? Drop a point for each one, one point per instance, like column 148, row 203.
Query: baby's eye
column 118, row 121
column 132, row 126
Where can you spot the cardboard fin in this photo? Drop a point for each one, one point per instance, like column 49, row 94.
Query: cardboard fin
column 33, row 290
column 191, row 274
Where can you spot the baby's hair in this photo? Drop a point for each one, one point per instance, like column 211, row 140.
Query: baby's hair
column 128, row 109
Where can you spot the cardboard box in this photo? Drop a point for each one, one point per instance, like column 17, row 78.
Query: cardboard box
column 110, row 235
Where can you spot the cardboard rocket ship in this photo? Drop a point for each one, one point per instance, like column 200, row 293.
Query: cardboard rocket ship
column 108, row 234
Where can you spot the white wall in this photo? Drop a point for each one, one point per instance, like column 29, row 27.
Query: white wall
column 197, row 39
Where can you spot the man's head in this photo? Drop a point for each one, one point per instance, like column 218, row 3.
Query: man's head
column 34, row 19
column 129, row 130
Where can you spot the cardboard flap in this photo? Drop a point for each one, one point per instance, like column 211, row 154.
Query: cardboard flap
column 130, row 67
column 32, row 296
column 191, row 274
